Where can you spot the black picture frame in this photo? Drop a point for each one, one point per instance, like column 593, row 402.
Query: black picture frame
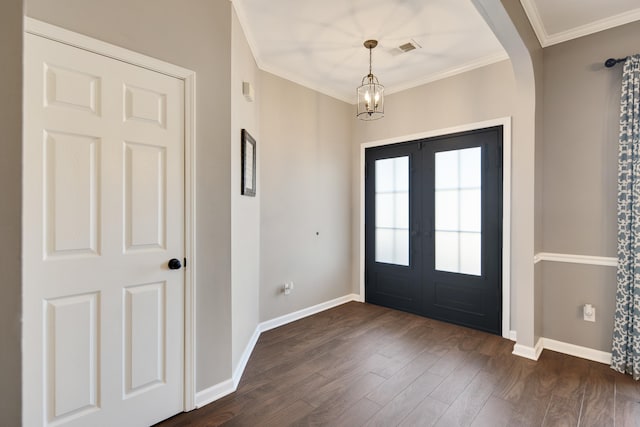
column 248, row 155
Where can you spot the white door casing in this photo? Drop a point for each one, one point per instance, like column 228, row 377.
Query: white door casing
column 103, row 340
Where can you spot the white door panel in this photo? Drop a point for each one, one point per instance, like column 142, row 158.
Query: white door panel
column 103, row 214
column 71, row 353
column 144, row 197
column 71, row 171
column 144, row 341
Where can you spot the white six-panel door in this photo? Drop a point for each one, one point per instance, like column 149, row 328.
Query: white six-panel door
column 103, row 214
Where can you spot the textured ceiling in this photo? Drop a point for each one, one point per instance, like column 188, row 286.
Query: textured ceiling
column 319, row 43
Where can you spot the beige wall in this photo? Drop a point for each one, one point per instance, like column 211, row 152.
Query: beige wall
column 197, row 37
column 481, row 94
column 305, row 186
column 245, row 210
column 581, row 117
column 582, row 109
column 10, row 210
column 566, row 288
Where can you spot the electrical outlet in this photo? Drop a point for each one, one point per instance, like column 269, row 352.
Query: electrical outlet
column 287, row 287
column 589, row 313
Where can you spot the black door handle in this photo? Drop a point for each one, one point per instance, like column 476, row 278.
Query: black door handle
column 175, row 264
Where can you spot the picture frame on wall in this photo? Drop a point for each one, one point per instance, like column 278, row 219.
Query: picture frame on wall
column 248, row 155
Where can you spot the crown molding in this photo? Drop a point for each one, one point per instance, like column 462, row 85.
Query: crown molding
column 547, row 39
column 594, row 27
column 531, row 10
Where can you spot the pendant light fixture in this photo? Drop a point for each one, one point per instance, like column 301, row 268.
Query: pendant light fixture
column 370, row 92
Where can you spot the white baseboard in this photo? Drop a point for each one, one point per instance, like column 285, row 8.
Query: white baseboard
column 226, row 387
column 300, row 314
column 578, row 351
column 513, row 336
column 532, row 353
column 237, row 373
column 214, row 393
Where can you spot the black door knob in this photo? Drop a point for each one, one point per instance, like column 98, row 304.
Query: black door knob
column 175, row 264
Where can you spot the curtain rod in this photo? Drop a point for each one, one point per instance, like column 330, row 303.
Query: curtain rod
column 611, row 62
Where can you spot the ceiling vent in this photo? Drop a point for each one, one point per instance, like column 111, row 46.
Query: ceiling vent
column 409, row 46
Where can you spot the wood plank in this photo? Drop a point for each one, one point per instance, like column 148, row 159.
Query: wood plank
column 332, row 388
column 571, row 379
column 563, row 411
column 335, row 405
column 492, row 345
column 468, row 404
column 338, row 384
column 599, row 397
column 514, row 380
column 394, row 385
column 451, row 388
column 426, row 414
column 358, row 414
column 627, row 386
column 495, row 413
column 627, row 412
column 449, row 362
column 531, row 406
column 406, row 401
column 288, row 415
column 275, row 401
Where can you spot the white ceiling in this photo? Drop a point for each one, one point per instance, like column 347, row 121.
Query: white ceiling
column 556, row 21
column 319, row 43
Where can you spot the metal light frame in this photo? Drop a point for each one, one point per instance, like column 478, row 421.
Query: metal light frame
column 370, row 92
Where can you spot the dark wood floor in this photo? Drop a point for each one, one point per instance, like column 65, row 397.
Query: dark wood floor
column 360, row 364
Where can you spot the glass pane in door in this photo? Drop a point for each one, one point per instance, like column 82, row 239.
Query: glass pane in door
column 392, row 211
column 458, row 211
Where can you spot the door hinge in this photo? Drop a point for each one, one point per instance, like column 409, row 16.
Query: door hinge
column 185, row 263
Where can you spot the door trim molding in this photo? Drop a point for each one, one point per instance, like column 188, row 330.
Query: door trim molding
column 505, row 122
column 52, row 32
